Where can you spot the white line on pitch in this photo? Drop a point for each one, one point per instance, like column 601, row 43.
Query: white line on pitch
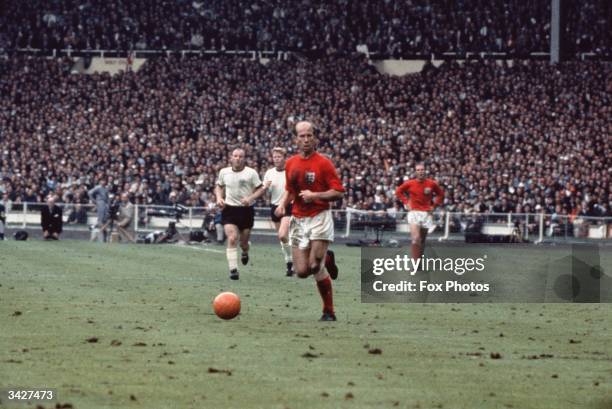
column 201, row 248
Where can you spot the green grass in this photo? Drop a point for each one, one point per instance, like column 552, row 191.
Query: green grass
column 279, row 356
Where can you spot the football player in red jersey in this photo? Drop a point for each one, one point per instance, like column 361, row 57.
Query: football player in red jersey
column 312, row 183
column 417, row 195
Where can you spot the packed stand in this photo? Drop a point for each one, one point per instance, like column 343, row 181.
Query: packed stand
column 589, row 24
column 387, row 28
column 524, row 138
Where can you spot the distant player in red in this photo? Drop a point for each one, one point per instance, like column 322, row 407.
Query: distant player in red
column 417, row 195
column 312, row 183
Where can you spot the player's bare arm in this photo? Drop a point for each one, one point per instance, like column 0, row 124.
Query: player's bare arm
column 250, row 199
column 286, row 198
column 402, row 194
column 283, row 200
column 406, row 201
column 219, row 194
column 439, row 194
column 330, row 195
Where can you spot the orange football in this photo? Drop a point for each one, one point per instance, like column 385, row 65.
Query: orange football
column 227, row 305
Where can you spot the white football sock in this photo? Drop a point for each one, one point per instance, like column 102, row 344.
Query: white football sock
column 232, row 258
column 286, row 248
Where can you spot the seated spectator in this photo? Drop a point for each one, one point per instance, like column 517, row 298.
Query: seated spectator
column 78, row 214
column 51, row 219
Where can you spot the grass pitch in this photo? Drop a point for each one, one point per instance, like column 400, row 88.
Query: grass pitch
column 131, row 326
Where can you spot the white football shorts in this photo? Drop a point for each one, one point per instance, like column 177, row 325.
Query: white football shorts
column 304, row 229
column 421, row 218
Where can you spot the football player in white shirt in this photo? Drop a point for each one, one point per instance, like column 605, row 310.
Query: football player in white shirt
column 274, row 182
column 238, row 187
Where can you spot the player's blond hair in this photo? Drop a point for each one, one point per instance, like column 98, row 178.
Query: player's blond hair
column 237, row 149
column 278, row 149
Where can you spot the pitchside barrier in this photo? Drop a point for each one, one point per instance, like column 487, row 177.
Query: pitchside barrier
column 351, row 224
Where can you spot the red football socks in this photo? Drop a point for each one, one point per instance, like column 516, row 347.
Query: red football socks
column 416, row 251
column 325, row 289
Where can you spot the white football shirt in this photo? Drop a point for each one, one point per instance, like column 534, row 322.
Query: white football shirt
column 238, row 185
column 277, row 187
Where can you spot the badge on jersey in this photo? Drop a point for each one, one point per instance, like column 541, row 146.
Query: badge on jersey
column 310, row 177
column 427, row 190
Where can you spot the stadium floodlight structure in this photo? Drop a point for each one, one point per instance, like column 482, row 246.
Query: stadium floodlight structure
column 558, row 38
column 555, row 30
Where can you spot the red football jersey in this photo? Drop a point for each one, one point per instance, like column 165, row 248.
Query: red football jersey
column 315, row 173
column 420, row 194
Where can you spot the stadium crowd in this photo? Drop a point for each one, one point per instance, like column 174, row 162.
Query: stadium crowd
column 529, row 137
column 394, row 28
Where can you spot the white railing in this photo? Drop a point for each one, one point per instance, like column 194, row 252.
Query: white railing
column 69, row 52
column 281, row 55
column 349, row 223
column 535, row 227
